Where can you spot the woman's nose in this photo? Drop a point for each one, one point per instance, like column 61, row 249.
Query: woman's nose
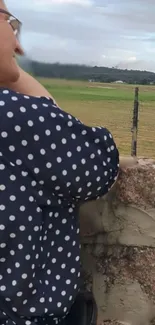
column 18, row 49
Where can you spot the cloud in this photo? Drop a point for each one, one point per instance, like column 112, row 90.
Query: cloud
column 83, row 3
column 104, row 32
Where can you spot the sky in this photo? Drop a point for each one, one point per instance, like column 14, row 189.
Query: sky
column 94, row 32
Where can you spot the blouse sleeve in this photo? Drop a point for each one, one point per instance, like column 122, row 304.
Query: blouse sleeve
column 72, row 160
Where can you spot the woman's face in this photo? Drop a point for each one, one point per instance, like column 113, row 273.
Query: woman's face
column 9, row 46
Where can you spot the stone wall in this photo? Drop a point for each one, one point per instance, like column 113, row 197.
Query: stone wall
column 118, row 241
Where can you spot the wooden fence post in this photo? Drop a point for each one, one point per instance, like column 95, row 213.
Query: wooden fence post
column 134, row 129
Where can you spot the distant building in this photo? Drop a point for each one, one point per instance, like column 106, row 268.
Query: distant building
column 119, row 82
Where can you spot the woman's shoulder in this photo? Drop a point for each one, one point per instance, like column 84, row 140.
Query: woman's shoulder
column 7, row 94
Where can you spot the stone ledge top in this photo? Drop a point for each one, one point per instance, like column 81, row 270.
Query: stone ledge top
column 136, row 184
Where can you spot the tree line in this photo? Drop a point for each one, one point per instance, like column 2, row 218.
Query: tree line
column 83, row 72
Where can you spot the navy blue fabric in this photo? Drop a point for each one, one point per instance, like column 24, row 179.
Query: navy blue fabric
column 50, row 162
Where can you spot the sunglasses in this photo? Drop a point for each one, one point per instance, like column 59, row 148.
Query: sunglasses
column 13, row 22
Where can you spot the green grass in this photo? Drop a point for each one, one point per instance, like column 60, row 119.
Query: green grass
column 109, row 105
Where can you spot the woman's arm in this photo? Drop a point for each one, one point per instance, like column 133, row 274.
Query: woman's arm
column 30, row 86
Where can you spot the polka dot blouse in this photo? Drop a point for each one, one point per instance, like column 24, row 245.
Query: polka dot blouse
column 50, row 162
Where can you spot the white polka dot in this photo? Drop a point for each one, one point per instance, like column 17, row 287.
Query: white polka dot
column 54, row 260
column 18, row 162
column 78, row 148
column 34, row 106
column 83, row 161
column 67, row 238
column 53, row 115
column 73, row 136
column 12, row 235
column 11, row 148
column 36, row 137
column 48, row 132
column 10, row 114
column 12, row 252
column 69, row 154
column 22, row 208
column 68, row 281
column 12, row 218
column 2, row 187
column 14, row 98
column 70, row 123
column 14, row 309
column 30, row 123
column 84, row 132
column 64, row 172
column 2, row 103
column 36, row 170
column 59, row 160
column 17, row 128
column 53, row 146
column 33, row 183
column 30, row 156
column 64, row 141
column 2, row 245
column 58, row 277
column 2, row 208
column 17, row 265
column 22, row 109
column 12, row 198
column 28, row 322
column 4, row 134
column 59, row 304
column 53, row 288
column 2, row 167
column 20, row 246
column 48, row 165
column 58, row 127
column 41, row 119
column 32, row 309
column 3, row 288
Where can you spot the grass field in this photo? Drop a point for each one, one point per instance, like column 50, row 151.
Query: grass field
column 109, row 105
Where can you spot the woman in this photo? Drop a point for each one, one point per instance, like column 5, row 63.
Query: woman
column 50, row 163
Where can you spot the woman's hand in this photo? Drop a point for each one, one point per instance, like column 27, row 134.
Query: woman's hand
column 128, row 162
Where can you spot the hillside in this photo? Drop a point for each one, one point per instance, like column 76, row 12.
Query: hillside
column 82, row 72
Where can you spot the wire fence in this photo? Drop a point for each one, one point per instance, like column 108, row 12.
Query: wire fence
column 128, row 112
